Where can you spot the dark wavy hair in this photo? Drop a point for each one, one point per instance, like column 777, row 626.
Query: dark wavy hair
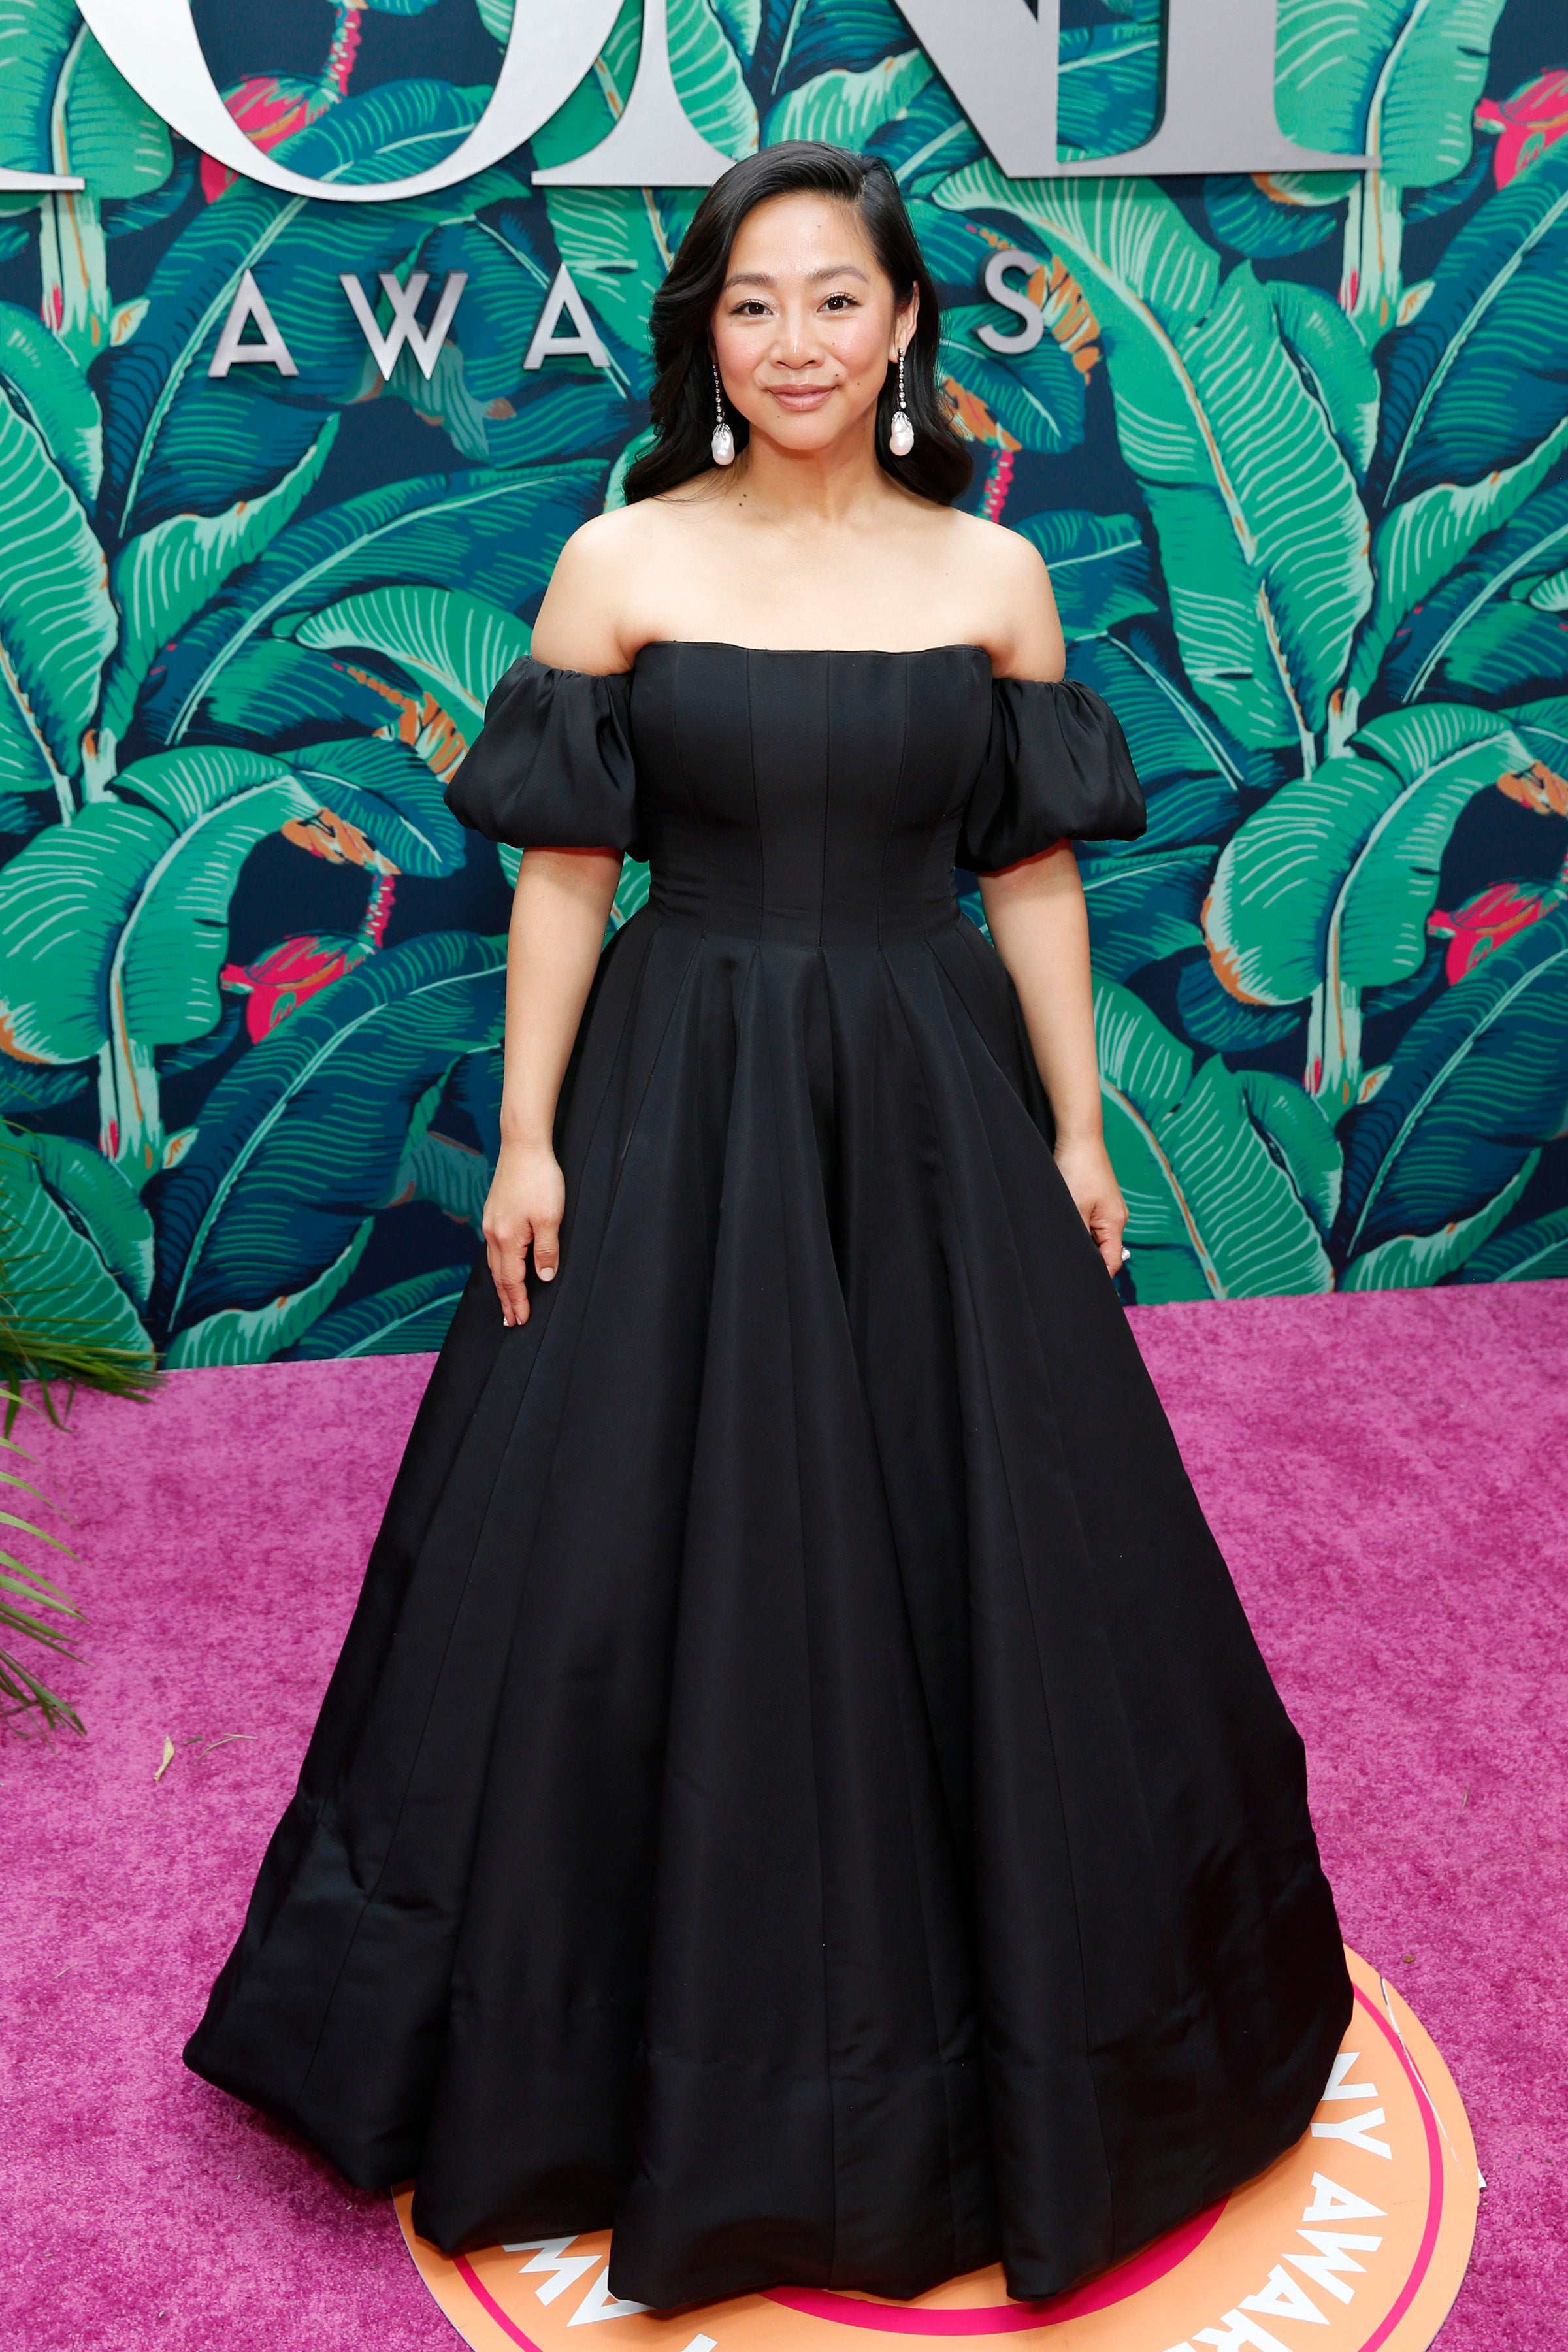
column 938, row 466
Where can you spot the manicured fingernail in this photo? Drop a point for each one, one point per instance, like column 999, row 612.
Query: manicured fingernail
column 547, row 1273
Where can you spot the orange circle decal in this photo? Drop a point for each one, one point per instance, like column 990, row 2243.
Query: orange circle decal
column 1362, row 2232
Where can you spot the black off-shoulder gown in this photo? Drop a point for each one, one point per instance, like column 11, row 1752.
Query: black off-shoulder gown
column 799, row 1785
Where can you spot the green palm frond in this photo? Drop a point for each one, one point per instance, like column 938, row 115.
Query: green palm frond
column 65, row 1322
column 32, row 1606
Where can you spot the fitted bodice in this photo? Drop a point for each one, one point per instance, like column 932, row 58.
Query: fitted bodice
column 818, row 799
column 806, row 797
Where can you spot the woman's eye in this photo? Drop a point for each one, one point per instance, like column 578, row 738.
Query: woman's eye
column 749, row 310
column 841, row 302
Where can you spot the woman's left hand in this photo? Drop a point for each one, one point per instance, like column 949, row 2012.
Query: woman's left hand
column 1087, row 1173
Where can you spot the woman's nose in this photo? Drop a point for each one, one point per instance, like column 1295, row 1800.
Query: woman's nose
column 798, row 345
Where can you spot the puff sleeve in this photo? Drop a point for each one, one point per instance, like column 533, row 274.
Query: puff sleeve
column 1057, row 765
column 552, row 767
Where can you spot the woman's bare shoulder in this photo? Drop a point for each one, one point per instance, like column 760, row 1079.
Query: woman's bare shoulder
column 989, row 549
column 1001, row 580
column 589, row 618
column 608, row 541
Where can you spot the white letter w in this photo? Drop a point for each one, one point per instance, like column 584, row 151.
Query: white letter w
column 552, row 2257
column 404, row 328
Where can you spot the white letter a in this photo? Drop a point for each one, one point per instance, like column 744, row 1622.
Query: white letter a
column 248, row 305
column 546, row 343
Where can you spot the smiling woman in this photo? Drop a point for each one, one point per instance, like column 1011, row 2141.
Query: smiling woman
column 800, row 1299
column 707, row 310
column 918, row 1868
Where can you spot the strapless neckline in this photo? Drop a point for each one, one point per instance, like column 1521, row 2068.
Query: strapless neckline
column 813, row 653
column 808, row 797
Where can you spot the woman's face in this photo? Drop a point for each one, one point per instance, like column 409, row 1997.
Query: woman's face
column 806, row 322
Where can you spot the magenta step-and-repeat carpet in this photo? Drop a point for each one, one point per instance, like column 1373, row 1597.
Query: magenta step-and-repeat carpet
column 1389, row 1477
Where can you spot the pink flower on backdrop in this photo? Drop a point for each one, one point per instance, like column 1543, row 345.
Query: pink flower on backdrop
column 289, row 974
column 1488, row 918
column 1527, row 124
column 297, row 969
column 268, row 108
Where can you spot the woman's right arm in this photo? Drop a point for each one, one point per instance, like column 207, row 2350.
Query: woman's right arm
column 559, row 910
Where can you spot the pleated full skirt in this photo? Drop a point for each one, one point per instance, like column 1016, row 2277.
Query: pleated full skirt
column 799, row 1786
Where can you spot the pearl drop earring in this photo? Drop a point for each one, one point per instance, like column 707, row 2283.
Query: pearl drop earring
column 724, row 439
column 901, row 433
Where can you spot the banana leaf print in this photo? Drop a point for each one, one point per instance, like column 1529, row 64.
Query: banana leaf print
column 1194, row 775
column 1230, row 1178
column 494, row 531
column 67, row 112
column 1143, row 909
column 1098, row 565
column 1537, row 1252
column 1261, row 529
column 404, row 1319
column 164, row 577
column 455, row 646
column 1272, row 213
column 171, row 429
column 1035, row 401
column 1472, row 418
column 1513, row 580
column 1474, row 383
column 56, row 620
column 1327, row 891
column 1294, row 446
column 46, row 385
column 1452, row 1138
column 76, row 1267
column 303, row 1138
column 1397, row 79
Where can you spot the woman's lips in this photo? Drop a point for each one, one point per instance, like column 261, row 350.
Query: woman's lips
column 801, row 396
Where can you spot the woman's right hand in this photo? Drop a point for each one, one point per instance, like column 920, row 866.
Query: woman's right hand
column 524, row 1207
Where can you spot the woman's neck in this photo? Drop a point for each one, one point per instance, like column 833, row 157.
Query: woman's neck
column 820, row 490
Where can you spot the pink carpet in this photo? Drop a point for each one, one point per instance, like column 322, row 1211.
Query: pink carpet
column 1386, row 1475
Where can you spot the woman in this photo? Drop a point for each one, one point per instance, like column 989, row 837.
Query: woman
column 799, row 1785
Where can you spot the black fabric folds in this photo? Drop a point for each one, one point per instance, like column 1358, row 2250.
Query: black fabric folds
column 1056, row 767
column 553, row 766
column 799, row 1786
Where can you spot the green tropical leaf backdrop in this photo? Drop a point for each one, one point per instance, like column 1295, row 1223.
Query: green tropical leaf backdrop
column 1295, row 447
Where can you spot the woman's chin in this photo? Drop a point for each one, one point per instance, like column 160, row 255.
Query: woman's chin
column 810, row 432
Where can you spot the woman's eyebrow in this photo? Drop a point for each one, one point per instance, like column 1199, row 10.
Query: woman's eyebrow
column 761, row 276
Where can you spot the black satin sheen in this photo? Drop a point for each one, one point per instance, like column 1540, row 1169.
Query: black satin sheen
column 799, row 1785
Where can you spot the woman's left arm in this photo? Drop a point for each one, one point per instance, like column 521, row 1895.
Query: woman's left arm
column 1039, row 920
column 1040, row 925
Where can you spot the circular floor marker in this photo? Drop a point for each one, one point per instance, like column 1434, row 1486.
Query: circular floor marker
column 1361, row 2232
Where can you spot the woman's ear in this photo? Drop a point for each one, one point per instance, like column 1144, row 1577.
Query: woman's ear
column 904, row 324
